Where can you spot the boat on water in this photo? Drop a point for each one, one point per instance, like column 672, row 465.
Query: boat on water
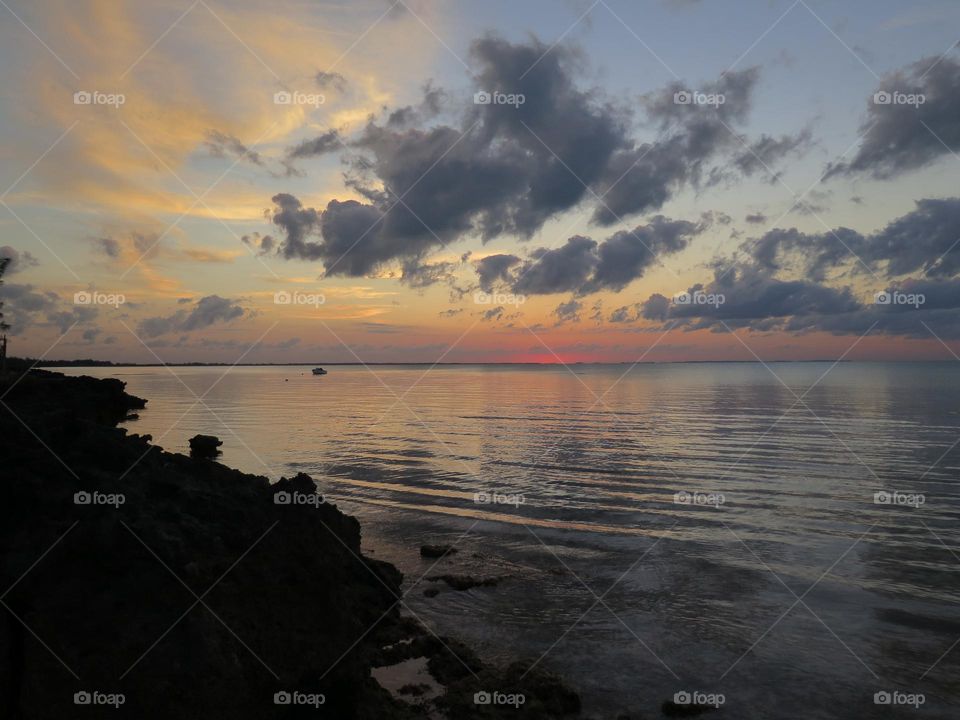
column 319, row 371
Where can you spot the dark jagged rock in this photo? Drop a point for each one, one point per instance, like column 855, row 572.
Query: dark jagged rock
column 186, row 587
column 103, row 400
column 205, row 446
column 285, row 589
column 436, row 551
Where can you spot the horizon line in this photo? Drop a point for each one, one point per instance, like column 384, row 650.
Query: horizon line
column 89, row 362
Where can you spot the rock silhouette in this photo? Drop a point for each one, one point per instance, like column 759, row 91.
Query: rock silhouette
column 205, row 446
column 186, row 588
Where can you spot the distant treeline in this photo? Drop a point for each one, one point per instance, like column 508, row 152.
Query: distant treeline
column 24, row 363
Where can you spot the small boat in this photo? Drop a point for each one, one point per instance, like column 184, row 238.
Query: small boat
column 319, row 371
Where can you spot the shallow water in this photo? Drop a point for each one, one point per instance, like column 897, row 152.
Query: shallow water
column 793, row 592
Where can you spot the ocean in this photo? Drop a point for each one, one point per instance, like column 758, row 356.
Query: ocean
column 780, row 540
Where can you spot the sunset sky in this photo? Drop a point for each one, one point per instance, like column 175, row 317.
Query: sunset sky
column 427, row 180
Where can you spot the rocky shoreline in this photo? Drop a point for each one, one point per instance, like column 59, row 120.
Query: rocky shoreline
column 142, row 583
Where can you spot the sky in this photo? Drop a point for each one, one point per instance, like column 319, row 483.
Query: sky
column 452, row 181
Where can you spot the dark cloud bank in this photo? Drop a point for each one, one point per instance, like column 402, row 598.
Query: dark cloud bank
column 915, row 260
column 207, row 311
column 506, row 169
column 583, row 266
column 900, row 136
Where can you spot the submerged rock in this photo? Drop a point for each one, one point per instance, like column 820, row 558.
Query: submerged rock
column 417, row 689
column 464, row 582
column 436, row 551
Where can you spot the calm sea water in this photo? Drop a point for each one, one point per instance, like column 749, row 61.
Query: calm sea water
column 781, row 583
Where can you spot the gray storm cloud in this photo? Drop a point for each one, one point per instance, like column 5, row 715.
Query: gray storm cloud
column 207, row 311
column 903, row 136
column 506, row 169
